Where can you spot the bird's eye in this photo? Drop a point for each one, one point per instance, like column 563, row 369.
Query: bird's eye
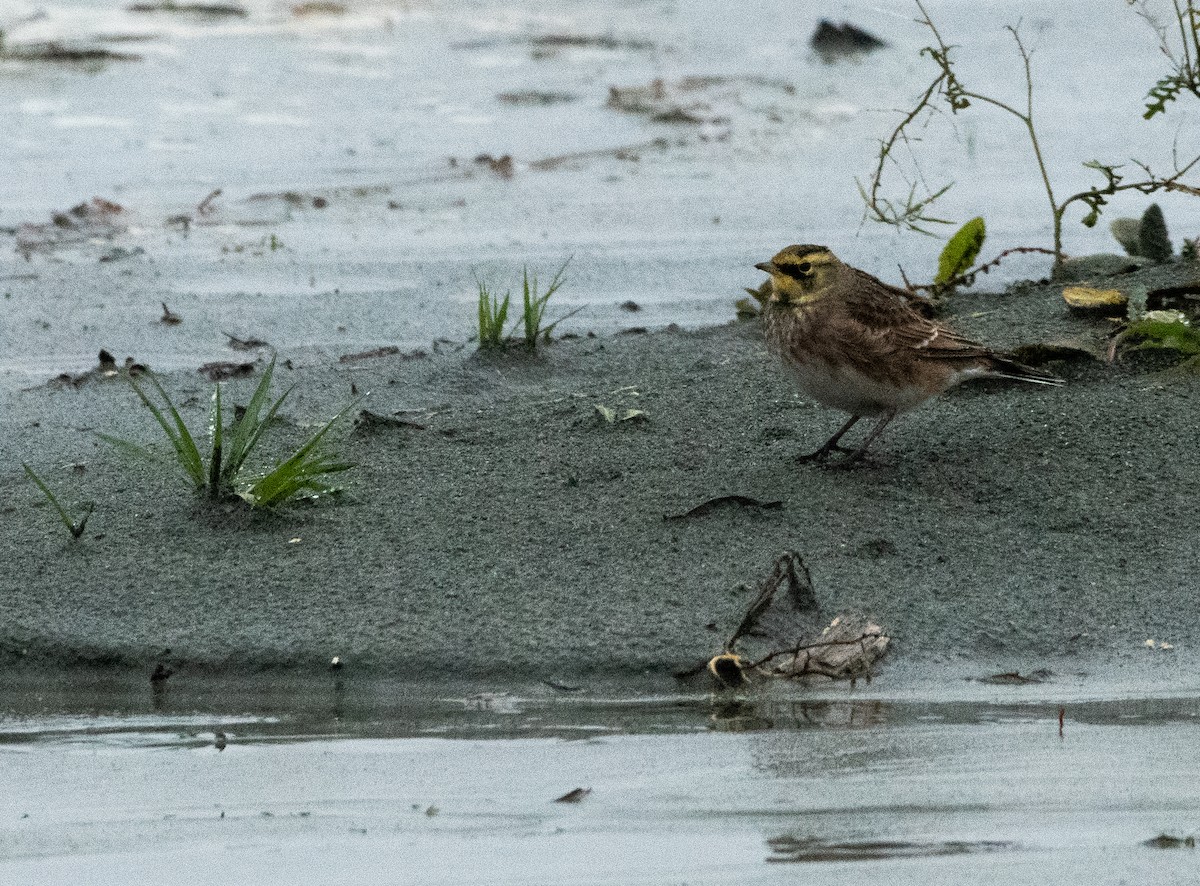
column 805, row 267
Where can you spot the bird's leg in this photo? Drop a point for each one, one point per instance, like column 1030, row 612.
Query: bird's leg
column 831, row 445
column 875, row 432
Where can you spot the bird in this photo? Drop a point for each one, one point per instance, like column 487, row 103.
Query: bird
column 857, row 344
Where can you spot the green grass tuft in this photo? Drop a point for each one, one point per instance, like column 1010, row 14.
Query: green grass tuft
column 302, row 475
column 221, row 473
column 493, row 314
column 534, row 306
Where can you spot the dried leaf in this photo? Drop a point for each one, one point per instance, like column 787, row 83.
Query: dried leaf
column 223, row 371
column 1015, row 678
column 1110, row 302
column 385, row 351
column 574, row 796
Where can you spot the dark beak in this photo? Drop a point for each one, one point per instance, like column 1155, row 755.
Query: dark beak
column 767, row 266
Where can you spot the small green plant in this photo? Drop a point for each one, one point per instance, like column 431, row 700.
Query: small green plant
column 913, row 211
column 534, row 306
column 1184, row 58
column 493, row 314
column 75, row 527
column 219, row 473
column 1162, row 330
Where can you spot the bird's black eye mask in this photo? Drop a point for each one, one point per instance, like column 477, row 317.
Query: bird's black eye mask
column 799, row 271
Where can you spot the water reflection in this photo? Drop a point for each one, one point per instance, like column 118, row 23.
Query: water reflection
column 754, row 714
column 788, row 848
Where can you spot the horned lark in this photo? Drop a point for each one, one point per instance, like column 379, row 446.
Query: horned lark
column 857, row 344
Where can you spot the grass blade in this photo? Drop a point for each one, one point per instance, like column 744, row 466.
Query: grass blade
column 245, row 431
column 535, row 305
column 75, row 527
column 299, row 472
column 186, row 453
column 216, row 483
column 534, row 308
column 133, row 449
column 493, row 314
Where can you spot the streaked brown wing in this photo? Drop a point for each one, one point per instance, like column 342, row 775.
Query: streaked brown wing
column 934, row 342
column 891, row 325
column 875, row 288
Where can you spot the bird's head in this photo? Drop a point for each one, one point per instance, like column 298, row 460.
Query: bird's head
column 800, row 274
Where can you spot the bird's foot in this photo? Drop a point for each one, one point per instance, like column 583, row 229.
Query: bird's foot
column 825, row 451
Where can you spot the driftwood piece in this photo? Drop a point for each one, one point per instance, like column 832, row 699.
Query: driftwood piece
column 780, row 635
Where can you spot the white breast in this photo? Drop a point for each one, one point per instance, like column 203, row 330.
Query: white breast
column 844, row 388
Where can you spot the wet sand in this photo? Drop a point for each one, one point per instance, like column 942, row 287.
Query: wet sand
column 511, row 531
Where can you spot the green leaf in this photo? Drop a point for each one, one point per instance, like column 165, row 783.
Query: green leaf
column 961, row 251
column 1165, row 90
column 217, row 431
column 244, row 434
column 186, row 453
column 75, row 527
column 300, row 474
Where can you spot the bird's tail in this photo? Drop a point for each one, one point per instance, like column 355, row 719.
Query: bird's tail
column 1005, row 367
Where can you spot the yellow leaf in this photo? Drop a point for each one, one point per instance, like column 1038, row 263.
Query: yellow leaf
column 1087, row 298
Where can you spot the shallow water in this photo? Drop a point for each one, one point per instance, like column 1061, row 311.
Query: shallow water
column 979, row 787
column 368, row 111
column 112, row 784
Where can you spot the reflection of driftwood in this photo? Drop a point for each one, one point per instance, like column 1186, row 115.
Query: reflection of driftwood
column 782, row 622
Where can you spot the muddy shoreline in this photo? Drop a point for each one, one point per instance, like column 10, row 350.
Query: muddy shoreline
column 516, row 534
